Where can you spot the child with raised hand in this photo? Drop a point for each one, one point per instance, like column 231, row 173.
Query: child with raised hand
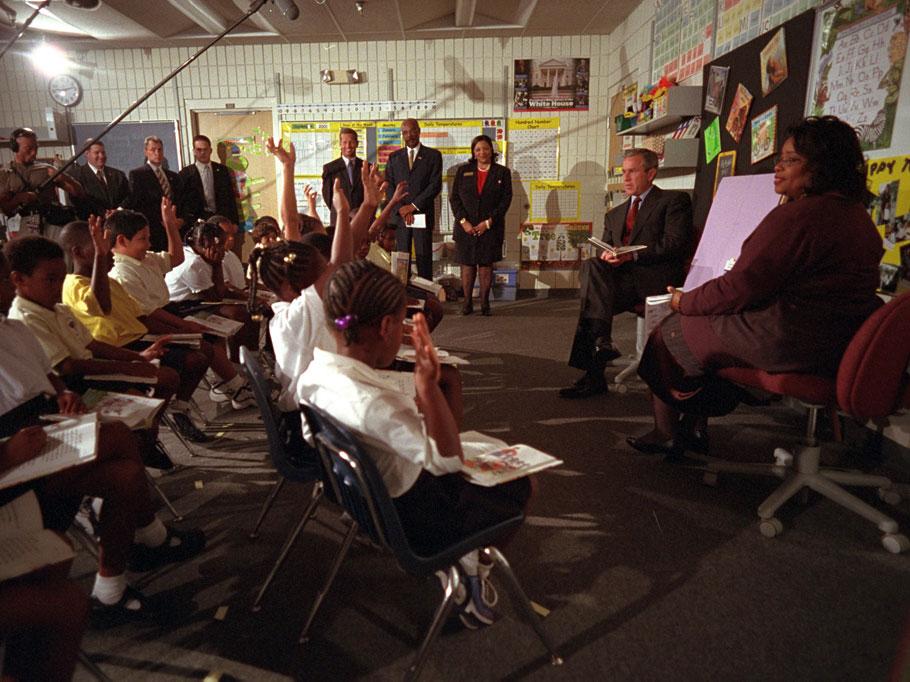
column 129, row 532
column 112, row 316
column 142, row 274
column 413, row 441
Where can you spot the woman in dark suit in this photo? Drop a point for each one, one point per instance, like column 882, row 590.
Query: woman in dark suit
column 804, row 282
column 480, row 198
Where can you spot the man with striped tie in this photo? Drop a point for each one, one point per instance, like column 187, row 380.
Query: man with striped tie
column 659, row 219
column 148, row 184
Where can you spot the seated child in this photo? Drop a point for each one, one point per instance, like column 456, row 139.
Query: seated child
column 265, row 231
column 142, row 273
column 414, row 442
column 231, row 266
column 200, row 277
column 129, row 532
column 108, row 312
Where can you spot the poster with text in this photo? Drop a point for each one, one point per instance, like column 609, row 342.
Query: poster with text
column 555, row 84
column 559, row 245
column 858, row 63
column 889, row 181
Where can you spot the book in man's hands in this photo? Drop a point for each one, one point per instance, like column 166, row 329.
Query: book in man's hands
column 136, row 411
column 489, row 461
column 218, row 325
column 69, row 443
column 25, row 545
column 616, row 250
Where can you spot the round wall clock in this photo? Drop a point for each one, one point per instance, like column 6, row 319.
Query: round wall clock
column 65, row 90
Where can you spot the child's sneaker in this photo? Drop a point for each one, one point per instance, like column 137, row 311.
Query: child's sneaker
column 474, row 605
column 242, row 398
column 488, row 591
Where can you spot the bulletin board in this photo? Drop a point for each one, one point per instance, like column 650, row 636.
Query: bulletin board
column 555, row 246
column 789, row 97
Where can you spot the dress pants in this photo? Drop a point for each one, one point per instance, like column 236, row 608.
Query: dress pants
column 605, row 291
column 423, row 247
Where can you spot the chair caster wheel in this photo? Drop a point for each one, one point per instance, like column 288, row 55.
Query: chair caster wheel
column 895, row 543
column 710, row 478
column 771, row 527
column 889, row 496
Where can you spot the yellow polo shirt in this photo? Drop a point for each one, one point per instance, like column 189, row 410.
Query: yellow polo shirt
column 118, row 328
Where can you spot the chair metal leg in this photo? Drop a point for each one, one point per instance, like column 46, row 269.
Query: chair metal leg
column 167, row 502
column 279, row 484
column 315, row 496
column 90, row 665
column 339, row 558
column 442, row 613
column 167, row 421
column 524, row 604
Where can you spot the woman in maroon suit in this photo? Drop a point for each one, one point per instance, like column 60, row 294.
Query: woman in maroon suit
column 803, row 284
column 480, row 198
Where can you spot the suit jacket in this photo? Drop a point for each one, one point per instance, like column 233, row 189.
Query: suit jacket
column 354, row 192
column 424, row 181
column 98, row 198
column 145, row 197
column 192, row 200
column 664, row 225
column 493, row 202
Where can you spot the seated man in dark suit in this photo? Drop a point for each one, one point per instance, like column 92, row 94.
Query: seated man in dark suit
column 656, row 218
column 148, row 184
column 421, row 167
column 105, row 188
column 207, row 189
column 347, row 169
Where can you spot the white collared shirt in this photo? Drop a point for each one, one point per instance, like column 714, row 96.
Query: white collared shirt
column 391, row 428
column 232, row 269
column 144, row 279
column 190, row 278
column 58, row 331
column 296, row 329
column 25, row 366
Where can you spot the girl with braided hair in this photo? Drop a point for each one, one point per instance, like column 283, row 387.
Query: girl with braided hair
column 414, row 441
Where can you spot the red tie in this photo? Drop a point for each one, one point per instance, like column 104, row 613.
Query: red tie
column 630, row 221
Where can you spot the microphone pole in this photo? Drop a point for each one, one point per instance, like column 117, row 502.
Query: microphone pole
column 255, row 6
column 28, row 22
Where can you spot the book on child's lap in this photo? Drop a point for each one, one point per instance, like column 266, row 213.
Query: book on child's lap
column 71, row 442
column 489, row 461
column 217, row 325
column 25, row 545
column 136, row 411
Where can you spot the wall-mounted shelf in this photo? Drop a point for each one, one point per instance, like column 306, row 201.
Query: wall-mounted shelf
column 682, row 101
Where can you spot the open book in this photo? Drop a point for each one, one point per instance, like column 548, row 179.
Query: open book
column 616, row 250
column 70, row 443
column 122, row 378
column 136, row 411
column 188, row 340
column 25, row 545
column 428, row 286
column 489, row 461
column 218, row 325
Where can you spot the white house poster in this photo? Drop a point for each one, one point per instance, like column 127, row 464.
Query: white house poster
column 555, row 84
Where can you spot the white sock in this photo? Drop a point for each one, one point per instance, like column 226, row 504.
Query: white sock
column 152, row 535
column 469, row 562
column 109, row 589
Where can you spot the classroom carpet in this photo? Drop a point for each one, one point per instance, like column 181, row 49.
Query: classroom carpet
column 644, row 572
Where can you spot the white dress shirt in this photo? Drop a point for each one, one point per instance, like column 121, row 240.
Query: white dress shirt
column 232, row 268
column 387, row 421
column 25, row 366
column 58, row 331
column 144, row 279
column 296, row 329
column 190, row 278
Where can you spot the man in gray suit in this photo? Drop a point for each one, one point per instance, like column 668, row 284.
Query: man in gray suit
column 659, row 219
column 421, row 167
column 105, row 188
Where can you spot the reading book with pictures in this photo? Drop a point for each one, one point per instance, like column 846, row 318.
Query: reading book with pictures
column 69, row 443
column 218, row 325
column 489, row 461
column 25, row 544
column 136, row 411
column 616, row 250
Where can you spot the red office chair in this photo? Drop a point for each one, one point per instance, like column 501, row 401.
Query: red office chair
column 872, row 383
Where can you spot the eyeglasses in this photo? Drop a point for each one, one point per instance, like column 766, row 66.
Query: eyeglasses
column 787, row 161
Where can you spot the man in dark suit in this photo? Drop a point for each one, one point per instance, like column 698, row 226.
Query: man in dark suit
column 347, row 168
column 105, row 188
column 421, row 167
column 148, row 184
column 656, row 218
column 207, row 187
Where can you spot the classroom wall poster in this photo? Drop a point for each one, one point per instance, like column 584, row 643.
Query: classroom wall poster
column 889, row 180
column 858, row 63
column 554, row 84
column 764, row 135
column 554, row 201
column 562, row 245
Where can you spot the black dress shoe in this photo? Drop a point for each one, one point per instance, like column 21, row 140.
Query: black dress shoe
column 605, row 354
column 650, row 447
column 694, row 442
column 467, row 309
column 583, row 388
column 485, row 310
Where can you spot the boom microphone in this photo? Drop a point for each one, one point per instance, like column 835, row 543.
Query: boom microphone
column 288, row 8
